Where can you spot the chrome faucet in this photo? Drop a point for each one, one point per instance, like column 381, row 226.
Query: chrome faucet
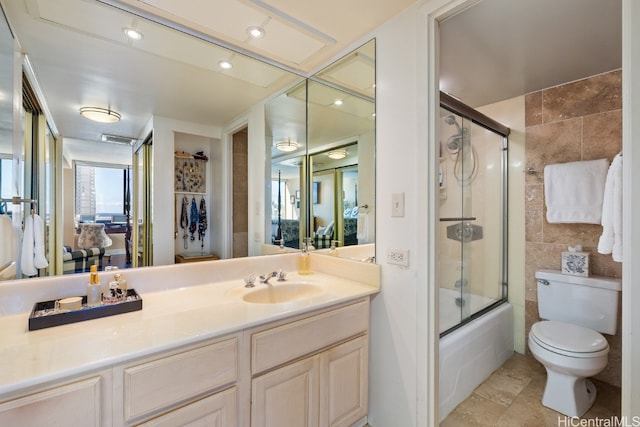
column 280, row 274
column 265, row 278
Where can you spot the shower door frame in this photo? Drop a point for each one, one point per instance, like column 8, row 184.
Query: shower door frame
column 468, row 113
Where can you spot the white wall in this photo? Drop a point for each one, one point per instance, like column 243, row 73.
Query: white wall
column 631, row 194
column 393, row 383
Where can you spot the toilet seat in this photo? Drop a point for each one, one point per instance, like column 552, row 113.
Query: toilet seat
column 569, row 340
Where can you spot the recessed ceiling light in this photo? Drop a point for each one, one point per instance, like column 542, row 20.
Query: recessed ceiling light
column 338, row 102
column 133, row 34
column 287, row 145
column 256, row 32
column 225, row 65
column 337, row 154
column 101, row 115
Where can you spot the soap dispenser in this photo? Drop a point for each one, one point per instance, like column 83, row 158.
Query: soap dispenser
column 303, row 261
column 94, row 291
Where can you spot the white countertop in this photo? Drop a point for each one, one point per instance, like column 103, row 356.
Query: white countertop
column 169, row 318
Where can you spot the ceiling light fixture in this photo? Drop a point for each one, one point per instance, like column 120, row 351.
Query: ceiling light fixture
column 256, row 32
column 337, row 154
column 132, row 33
column 225, row 65
column 338, row 102
column 287, row 146
column 102, row 115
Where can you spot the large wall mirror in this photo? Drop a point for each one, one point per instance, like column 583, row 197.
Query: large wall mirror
column 322, row 168
column 170, row 85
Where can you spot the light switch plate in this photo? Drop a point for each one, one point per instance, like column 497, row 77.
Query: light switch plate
column 397, row 205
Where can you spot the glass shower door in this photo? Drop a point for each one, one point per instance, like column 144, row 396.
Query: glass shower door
column 472, row 220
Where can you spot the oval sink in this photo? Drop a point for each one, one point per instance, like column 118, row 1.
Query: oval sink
column 278, row 293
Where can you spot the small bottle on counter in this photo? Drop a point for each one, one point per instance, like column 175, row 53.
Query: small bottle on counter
column 94, row 290
column 333, row 250
column 303, row 261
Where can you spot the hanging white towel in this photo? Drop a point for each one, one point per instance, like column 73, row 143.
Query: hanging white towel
column 611, row 239
column 33, row 246
column 362, row 233
column 6, row 240
column 574, row 191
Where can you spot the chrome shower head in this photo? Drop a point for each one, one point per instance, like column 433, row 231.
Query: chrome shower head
column 451, row 120
column 454, row 143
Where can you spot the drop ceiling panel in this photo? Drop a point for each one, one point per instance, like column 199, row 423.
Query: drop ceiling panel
column 230, row 19
column 108, row 23
column 285, row 42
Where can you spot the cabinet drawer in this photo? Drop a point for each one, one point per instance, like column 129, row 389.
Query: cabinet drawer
column 76, row 404
column 281, row 344
column 218, row 410
column 160, row 383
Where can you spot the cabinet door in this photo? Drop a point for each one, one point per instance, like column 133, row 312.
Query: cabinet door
column 343, row 383
column 218, row 410
column 76, row 404
column 287, row 397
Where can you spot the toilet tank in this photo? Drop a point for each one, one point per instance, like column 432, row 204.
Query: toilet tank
column 591, row 302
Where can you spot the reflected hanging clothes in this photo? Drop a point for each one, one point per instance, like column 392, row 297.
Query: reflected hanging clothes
column 33, row 256
column 202, row 221
column 193, row 218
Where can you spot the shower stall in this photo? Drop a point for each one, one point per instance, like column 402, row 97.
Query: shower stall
column 476, row 321
column 473, row 214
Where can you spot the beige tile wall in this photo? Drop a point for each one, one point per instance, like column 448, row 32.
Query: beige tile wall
column 581, row 120
column 240, row 195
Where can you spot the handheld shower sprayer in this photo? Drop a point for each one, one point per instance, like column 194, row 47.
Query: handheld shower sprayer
column 455, row 141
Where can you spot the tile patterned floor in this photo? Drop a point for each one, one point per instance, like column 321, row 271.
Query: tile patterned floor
column 512, row 396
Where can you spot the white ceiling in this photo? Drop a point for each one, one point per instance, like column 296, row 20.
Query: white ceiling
column 494, row 50
column 499, row 49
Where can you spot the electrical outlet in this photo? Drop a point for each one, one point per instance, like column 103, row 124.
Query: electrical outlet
column 398, row 257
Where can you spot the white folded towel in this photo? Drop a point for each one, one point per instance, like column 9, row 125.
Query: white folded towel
column 611, row 239
column 363, row 227
column 33, row 246
column 574, row 191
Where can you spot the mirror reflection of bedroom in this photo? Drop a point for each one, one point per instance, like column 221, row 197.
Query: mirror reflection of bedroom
column 335, row 207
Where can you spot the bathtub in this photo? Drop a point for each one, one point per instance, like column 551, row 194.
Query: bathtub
column 469, row 354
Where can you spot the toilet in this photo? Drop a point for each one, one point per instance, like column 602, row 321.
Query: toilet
column 568, row 341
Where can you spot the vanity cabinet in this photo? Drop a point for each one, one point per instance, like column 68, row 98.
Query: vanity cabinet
column 192, row 385
column 82, row 402
column 312, row 371
column 305, row 370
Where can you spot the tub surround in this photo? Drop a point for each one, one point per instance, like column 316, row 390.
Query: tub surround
column 182, row 304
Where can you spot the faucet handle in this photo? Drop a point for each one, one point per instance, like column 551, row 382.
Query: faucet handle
column 282, row 275
column 249, row 280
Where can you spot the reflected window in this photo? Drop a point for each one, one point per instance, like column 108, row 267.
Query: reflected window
column 284, row 203
column 6, row 173
column 101, row 192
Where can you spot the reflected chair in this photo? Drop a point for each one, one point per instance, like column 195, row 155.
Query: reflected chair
column 92, row 235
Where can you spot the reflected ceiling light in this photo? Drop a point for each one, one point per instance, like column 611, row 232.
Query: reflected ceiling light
column 132, row 33
column 287, row 145
column 337, row 154
column 102, row 115
column 338, row 102
column 256, row 32
column 225, row 65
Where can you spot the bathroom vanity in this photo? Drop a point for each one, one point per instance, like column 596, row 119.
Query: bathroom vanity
column 201, row 354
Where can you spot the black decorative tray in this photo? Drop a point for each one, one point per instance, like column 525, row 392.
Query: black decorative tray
column 45, row 314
